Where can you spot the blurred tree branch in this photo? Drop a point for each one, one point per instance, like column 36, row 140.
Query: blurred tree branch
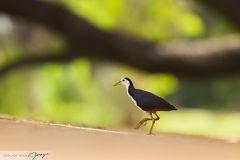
column 200, row 58
column 228, row 8
column 36, row 60
column 215, row 58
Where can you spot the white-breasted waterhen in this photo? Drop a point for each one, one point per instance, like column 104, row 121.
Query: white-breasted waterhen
column 146, row 101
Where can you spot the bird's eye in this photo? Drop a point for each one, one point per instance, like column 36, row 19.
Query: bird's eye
column 123, row 80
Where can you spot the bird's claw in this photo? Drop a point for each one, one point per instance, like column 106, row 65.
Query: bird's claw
column 151, row 134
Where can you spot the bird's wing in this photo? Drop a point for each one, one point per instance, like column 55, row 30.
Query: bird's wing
column 149, row 101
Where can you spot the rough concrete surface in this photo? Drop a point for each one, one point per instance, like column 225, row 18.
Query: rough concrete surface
column 63, row 142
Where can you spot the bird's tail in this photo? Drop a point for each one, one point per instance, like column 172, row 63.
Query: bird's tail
column 173, row 107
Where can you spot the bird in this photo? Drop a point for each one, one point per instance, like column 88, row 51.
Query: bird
column 145, row 101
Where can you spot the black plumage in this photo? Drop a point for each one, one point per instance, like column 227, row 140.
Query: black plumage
column 146, row 101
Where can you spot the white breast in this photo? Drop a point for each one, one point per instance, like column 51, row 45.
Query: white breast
column 132, row 97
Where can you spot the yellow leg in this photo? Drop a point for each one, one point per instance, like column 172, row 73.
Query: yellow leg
column 153, row 121
column 142, row 122
column 156, row 116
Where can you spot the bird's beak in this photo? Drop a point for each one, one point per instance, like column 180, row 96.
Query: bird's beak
column 119, row 82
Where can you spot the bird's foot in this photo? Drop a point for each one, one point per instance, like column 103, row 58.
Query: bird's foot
column 137, row 127
column 151, row 134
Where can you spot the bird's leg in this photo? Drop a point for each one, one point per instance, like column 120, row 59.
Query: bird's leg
column 153, row 121
column 144, row 121
column 156, row 116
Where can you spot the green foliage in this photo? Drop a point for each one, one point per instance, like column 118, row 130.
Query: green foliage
column 12, row 97
column 161, row 84
column 72, row 96
column 215, row 94
column 104, row 13
column 151, row 19
column 201, row 122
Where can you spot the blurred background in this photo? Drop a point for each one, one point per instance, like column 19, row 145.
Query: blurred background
column 81, row 91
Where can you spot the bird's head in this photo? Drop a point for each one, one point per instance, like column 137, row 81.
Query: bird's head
column 124, row 81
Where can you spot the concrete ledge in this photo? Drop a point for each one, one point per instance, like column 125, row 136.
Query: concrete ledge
column 64, row 142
